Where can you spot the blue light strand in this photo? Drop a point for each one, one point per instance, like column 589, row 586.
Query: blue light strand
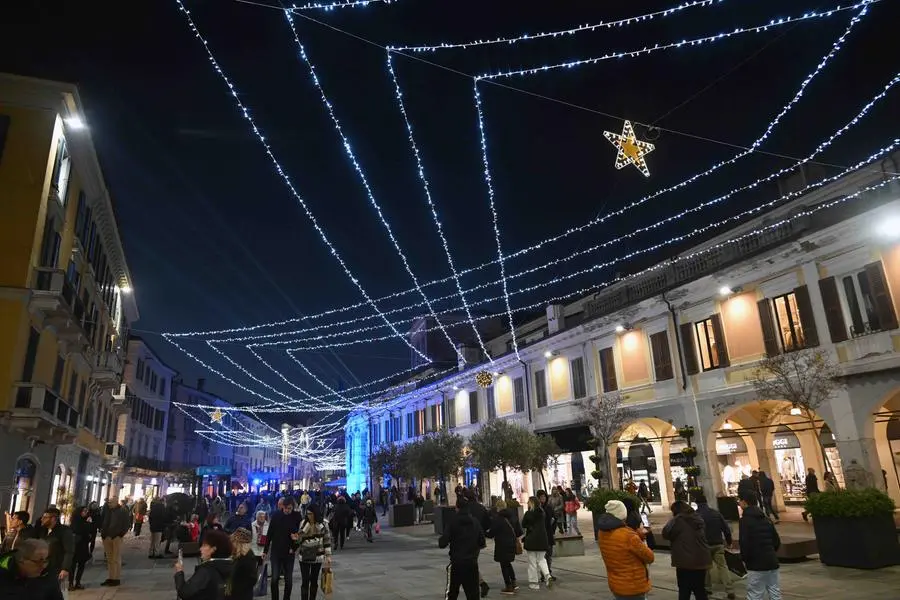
column 246, row 114
column 561, row 32
column 420, row 169
column 628, row 256
column 490, row 188
column 693, row 42
column 836, row 46
column 351, row 156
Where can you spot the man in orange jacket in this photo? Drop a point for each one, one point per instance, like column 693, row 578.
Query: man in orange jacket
column 624, row 553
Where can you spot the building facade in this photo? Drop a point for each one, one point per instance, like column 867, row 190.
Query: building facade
column 680, row 343
column 65, row 302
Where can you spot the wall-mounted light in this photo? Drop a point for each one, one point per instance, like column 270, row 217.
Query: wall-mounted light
column 727, row 290
column 727, row 424
column 889, row 228
column 74, row 122
column 623, row 327
column 620, row 328
column 795, row 411
column 455, row 388
column 550, row 353
column 125, row 289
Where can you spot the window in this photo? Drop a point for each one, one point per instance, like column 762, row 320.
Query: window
column 491, row 405
column 711, row 342
column 579, row 389
column 4, row 129
column 473, row 407
column 60, row 179
column 787, row 318
column 860, row 298
column 34, row 338
column 153, row 381
column 410, row 427
column 519, row 393
column 73, row 386
column 158, row 418
column 50, row 245
column 162, row 387
column 139, row 370
column 73, row 275
column 58, row 374
column 540, row 388
column 662, row 356
column 397, row 432
column 82, row 396
column 451, row 412
column 608, row 370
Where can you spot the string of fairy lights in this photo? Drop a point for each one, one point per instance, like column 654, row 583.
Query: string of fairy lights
column 315, row 443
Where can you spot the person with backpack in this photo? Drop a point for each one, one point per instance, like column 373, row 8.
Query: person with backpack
column 718, row 538
column 211, row 577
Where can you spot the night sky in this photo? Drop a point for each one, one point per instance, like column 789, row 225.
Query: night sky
column 214, row 239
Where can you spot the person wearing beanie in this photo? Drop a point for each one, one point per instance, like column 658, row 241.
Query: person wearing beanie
column 244, row 569
column 624, row 553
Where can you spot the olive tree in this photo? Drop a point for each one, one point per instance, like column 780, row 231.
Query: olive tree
column 544, row 453
column 503, row 445
column 437, row 455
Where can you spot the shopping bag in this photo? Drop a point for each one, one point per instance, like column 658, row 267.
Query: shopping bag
column 327, row 584
column 377, row 528
column 735, row 564
column 262, row 582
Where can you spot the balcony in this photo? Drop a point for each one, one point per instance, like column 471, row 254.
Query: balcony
column 36, row 411
column 54, row 300
column 107, row 370
column 114, row 455
column 148, row 464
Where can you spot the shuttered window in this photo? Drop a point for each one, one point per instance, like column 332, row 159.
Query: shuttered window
column 689, row 348
column 711, row 343
column 579, row 388
column 662, row 356
column 608, row 370
column 807, row 319
column 834, row 315
column 473, row 407
column 540, row 388
column 491, row 405
column 767, row 323
column 519, row 393
column 451, row 412
column 884, row 304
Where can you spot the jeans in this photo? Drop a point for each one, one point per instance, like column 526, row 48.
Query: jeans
column 339, row 536
column 721, row 567
column 137, row 528
column 572, row 520
column 691, row 581
column 463, row 574
column 420, row 514
column 537, row 565
column 760, row 582
column 509, row 574
column 309, row 574
column 283, row 565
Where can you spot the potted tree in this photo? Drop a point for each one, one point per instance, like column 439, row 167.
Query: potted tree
column 855, row 528
column 596, row 502
column 438, row 455
column 502, row 445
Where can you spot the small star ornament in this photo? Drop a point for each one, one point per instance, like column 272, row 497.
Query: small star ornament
column 216, row 416
column 631, row 149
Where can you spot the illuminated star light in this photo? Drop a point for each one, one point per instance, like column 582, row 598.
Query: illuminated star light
column 216, row 416
column 631, row 150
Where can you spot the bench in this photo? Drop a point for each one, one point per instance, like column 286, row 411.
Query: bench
column 569, row 545
column 791, row 550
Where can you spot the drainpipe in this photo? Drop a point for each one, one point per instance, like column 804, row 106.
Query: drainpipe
column 527, row 390
column 677, row 341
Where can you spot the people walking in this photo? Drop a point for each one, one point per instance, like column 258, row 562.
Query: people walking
column 624, row 553
column 644, row 495
column 759, row 543
column 81, row 533
column 244, row 565
column 690, row 552
column 281, row 546
column 139, row 514
column 831, row 484
column 505, row 532
column 259, row 530
column 340, row 522
column 536, row 543
column 767, row 496
column 419, row 503
column 314, row 550
column 210, row 579
column 115, row 526
column 238, row 520
column 571, row 508
column 60, row 542
column 718, row 538
column 465, row 538
column 812, row 488
column 369, row 519
column 158, row 522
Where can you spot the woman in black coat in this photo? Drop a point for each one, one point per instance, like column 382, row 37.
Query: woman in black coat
column 82, row 530
column 505, row 531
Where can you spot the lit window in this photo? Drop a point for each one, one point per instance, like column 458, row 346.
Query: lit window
column 709, row 349
column 790, row 328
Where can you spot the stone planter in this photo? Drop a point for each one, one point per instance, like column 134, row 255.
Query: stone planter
column 857, row 542
column 402, row 515
column 428, row 512
column 442, row 516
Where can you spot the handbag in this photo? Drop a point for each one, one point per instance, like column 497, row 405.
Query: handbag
column 327, row 584
column 262, row 582
column 519, row 548
column 377, row 528
column 735, row 564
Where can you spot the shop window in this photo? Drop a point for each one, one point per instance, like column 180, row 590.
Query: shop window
column 608, row 370
column 473, row 407
column 519, row 394
column 662, row 356
column 787, row 318
column 540, row 388
column 579, row 388
column 711, row 343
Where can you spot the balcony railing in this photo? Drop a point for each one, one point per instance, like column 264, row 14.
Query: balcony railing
column 107, row 369
column 115, row 451
column 46, row 403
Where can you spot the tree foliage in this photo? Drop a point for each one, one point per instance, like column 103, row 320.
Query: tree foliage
column 544, row 453
column 389, row 459
column 437, row 455
column 606, row 417
column 503, row 445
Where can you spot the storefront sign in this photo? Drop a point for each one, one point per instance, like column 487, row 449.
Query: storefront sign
column 677, row 459
column 785, row 441
column 216, row 470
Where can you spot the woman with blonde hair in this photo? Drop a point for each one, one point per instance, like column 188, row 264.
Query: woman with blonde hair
column 243, row 574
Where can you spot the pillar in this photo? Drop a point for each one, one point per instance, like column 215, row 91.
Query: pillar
column 854, row 434
column 765, row 461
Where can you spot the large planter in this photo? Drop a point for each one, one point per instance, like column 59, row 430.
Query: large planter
column 442, row 516
column 402, row 515
column 728, row 506
column 857, row 542
column 428, row 511
column 595, row 517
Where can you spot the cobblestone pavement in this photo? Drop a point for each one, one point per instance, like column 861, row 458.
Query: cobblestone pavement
column 405, row 564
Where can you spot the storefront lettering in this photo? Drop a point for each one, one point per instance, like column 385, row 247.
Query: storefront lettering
column 781, row 442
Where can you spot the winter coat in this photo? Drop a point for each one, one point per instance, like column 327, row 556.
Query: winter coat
column 465, row 537
column 571, row 506
column 718, row 532
column 314, row 537
column 535, row 531
column 61, row 544
column 116, row 522
column 237, row 521
column 555, row 502
column 243, row 577
column 766, row 486
column 15, row 587
column 209, row 581
column 82, row 531
column 504, row 531
column 759, row 540
column 342, row 517
column 158, row 517
column 687, row 535
column 278, row 541
column 259, row 532
column 625, row 555
column 812, row 484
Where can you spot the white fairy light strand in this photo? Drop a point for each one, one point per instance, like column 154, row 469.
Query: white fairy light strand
column 351, row 156
column 558, row 33
column 836, row 46
column 246, row 114
column 328, row 6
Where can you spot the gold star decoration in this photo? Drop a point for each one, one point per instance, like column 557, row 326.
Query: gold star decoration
column 631, row 149
column 216, row 416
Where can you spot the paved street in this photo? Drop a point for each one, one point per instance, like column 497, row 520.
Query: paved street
column 406, row 564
